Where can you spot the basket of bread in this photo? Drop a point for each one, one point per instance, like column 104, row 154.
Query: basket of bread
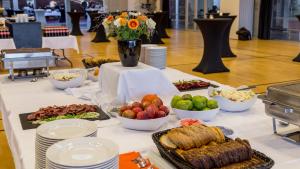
column 203, row 147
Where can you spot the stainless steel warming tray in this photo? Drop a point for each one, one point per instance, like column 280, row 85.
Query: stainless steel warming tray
column 28, row 59
column 282, row 102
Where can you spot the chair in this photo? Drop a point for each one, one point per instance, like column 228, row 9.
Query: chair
column 40, row 16
column 26, row 35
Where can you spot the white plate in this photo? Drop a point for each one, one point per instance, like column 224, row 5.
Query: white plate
column 66, row 129
column 206, row 115
column 82, row 151
column 143, row 125
column 111, row 164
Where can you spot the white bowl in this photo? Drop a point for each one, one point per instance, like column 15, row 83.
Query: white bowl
column 75, row 82
column 144, row 125
column 205, row 115
column 234, row 106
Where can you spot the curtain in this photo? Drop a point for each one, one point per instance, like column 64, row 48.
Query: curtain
column 265, row 16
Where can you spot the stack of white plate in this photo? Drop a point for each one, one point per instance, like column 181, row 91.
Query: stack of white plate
column 83, row 153
column 156, row 56
column 55, row 131
column 143, row 50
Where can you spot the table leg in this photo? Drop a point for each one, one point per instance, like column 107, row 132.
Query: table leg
column 297, row 59
column 62, row 58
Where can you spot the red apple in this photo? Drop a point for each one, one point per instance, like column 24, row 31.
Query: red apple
column 141, row 115
column 151, row 111
column 146, row 104
column 137, row 104
column 124, row 108
column 137, row 109
column 160, row 114
column 129, row 114
column 164, row 108
column 157, row 101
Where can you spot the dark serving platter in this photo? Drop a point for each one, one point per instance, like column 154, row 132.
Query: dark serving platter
column 180, row 163
column 26, row 125
column 196, row 88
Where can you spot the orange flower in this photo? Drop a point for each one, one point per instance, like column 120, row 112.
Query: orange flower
column 123, row 21
column 124, row 15
column 110, row 18
column 133, row 24
column 142, row 18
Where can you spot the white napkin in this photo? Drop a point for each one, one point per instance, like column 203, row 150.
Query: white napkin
column 85, row 92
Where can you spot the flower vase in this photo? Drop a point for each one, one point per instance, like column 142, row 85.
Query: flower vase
column 129, row 52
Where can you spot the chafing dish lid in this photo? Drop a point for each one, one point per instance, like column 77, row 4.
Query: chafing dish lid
column 287, row 94
column 26, row 50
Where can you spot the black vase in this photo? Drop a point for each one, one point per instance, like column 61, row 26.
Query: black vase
column 129, row 52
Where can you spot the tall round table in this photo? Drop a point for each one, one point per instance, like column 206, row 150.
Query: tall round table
column 156, row 37
column 164, row 25
column 213, row 32
column 297, row 59
column 100, row 30
column 93, row 17
column 75, row 19
column 226, row 50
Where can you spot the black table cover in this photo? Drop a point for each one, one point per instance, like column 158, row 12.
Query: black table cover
column 156, row 37
column 164, row 25
column 100, row 30
column 75, row 19
column 62, row 18
column 93, row 16
column 10, row 12
column 297, row 59
column 212, row 31
column 226, row 50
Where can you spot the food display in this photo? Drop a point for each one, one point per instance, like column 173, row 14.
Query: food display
column 63, row 80
column 189, row 122
column 96, row 61
column 234, row 95
column 65, row 76
column 233, row 100
column 74, row 111
column 192, row 85
column 193, row 103
column 196, row 107
column 150, row 107
column 148, row 115
column 206, row 147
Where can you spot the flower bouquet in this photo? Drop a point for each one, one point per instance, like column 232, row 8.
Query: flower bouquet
column 127, row 28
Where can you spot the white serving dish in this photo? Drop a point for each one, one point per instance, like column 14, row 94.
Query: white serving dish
column 75, row 82
column 206, row 115
column 144, row 125
column 234, row 106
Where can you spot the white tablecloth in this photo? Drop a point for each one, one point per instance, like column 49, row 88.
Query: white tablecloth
column 123, row 84
column 61, row 42
column 7, row 44
column 22, row 96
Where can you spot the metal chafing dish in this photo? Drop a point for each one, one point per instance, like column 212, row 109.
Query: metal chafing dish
column 24, row 60
column 282, row 102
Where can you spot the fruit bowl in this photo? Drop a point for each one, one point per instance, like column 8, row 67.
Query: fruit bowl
column 205, row 115
column 143, row 125
column 234, row 106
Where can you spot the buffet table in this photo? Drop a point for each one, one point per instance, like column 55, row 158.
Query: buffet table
column 23, row 96
column 60, row 42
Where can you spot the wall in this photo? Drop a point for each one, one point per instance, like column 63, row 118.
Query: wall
column 256, row 18
column 244, row 9
column 233, row 7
